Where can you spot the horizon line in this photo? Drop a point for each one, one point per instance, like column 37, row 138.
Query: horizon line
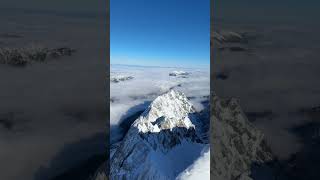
column 158, row 66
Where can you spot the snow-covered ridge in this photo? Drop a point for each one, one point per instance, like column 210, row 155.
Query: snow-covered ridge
column 178, row 73
column 119, row 78
column 161, row 143
column 167, row 111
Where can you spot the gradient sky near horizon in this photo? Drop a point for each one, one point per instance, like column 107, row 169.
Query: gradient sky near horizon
column 160, row 32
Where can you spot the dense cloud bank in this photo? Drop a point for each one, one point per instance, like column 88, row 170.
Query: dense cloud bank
column 48, row 109
column 134, row 95
column 274, row 79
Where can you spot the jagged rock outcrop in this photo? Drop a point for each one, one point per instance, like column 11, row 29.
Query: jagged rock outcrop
column 236, row 145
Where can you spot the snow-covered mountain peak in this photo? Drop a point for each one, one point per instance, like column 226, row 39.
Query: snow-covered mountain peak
column 167, row 111
column 164, row 134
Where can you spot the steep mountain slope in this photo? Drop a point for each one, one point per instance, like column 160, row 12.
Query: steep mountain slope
column 236, row 144
column 161, row 143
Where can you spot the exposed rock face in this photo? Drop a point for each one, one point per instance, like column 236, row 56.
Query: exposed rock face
column 22, row 57
column 161, row 143
column 236, row 144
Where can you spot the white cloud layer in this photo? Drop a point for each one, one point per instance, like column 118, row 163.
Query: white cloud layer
column 131, row 96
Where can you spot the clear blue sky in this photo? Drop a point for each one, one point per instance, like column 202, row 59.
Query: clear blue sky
column 160, row 32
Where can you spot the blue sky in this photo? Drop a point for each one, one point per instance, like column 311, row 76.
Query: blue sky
column 160, row 32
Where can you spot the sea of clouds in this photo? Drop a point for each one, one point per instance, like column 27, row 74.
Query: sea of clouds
column 57, row 109
column 278, row 74
column 134, row 95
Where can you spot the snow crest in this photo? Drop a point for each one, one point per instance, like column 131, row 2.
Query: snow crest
column 166, row 112
column 178, row 73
